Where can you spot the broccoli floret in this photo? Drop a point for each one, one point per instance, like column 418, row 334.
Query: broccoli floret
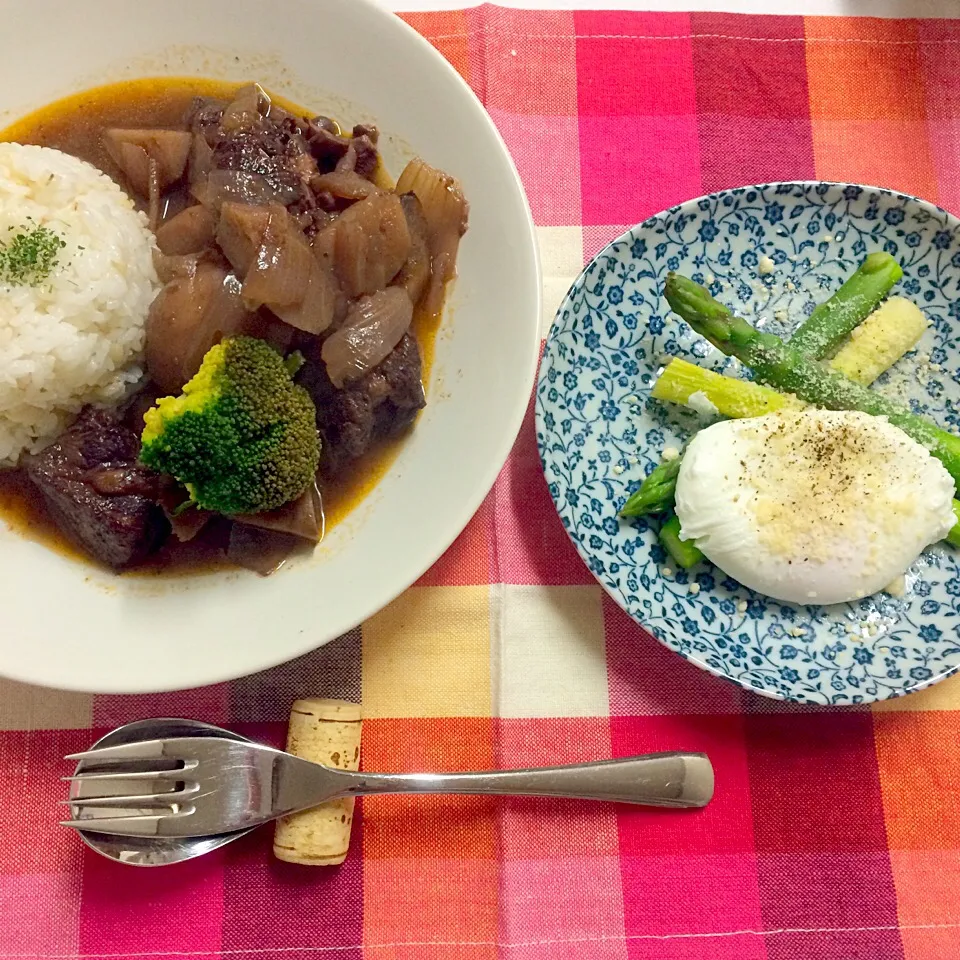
column 242, row 437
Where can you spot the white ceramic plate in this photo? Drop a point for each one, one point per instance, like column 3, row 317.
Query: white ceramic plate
column 71, row 626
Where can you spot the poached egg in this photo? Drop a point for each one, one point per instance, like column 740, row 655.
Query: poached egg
column 812, row 506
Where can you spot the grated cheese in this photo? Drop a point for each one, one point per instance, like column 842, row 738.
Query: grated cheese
column 898, row 588
column 702, row 404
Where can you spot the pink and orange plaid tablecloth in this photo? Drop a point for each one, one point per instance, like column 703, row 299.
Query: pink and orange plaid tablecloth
column 834, row 834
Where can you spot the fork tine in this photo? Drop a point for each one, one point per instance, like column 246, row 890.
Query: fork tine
column 141, row 800
column 179, row 774
column 141, row 750
column 132, row 826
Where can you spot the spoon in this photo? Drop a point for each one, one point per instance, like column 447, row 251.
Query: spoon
column 151, row 851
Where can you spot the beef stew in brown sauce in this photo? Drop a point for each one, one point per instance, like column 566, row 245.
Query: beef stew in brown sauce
column 270, row 223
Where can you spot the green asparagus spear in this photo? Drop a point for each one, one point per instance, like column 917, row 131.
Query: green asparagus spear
column 733, row 399
column 684, row 553
column 656, row 492
column 834, row 319
column 953, row 537
column 782, row 366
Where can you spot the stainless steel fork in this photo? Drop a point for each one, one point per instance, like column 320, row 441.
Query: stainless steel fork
column 198, row 786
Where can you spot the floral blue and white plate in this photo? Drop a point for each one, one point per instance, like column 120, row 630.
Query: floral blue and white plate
column 600, row 433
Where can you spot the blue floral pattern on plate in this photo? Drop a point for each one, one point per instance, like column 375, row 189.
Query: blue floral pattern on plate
column 599, row 432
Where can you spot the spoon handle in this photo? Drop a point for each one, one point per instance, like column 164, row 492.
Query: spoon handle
column 659, row 779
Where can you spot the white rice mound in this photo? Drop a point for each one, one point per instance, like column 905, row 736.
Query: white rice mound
column 77, row 336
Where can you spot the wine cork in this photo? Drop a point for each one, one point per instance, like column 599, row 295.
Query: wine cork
column 327, row 732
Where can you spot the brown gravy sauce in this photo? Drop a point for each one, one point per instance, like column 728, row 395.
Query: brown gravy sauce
column 74, row 125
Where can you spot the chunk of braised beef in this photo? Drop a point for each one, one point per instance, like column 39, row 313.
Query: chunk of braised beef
column 348, row 162
column 367, row 130
column 264, row 153
column 324, row 123
column 361, row 157
column 288, row 124
column 326, row 143
column 311, row 222
column 327, row 202
column 96, row 491
column 367, row 157
column 382, row 404
column 203, row 117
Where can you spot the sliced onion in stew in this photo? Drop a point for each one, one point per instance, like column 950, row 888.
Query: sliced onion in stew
column 241, row 229
column 445, row 210
column 244, row 112
column 281, row 267
column 259, row 550
column 190, row 231
column 190, row 315
column 415, row 273
column 372, row 328
column 185, row 523
column 200, row 162
column 322, row 302
column 372, row 243
column 346, row 186
column 131, row 149
column 302, row 517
